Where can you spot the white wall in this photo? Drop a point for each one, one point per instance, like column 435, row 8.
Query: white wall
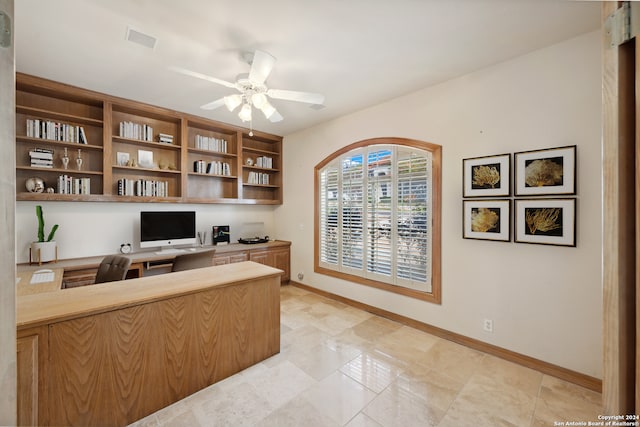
column 96, row 228
column 545, row 301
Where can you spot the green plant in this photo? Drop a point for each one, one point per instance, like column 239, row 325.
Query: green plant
column 41, row 226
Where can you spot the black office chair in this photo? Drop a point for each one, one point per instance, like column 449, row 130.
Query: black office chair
column 194, row 260
column 113, row 268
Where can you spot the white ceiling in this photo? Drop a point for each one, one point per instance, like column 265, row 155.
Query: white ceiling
column 356, row 52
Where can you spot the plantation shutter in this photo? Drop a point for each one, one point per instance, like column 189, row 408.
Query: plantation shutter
column 352, row 198
column 413, row 210
column 329, row 208
column 379, row 214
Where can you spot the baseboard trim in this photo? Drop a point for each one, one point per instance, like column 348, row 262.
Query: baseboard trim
column 574, row 377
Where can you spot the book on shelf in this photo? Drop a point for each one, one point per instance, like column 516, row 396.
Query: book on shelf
column 258, row 178
column 211, row 144
column 55, row 131
column 70, row 185
column 165, row 138
column 142, row 188
column 41, row 154
column 264, row 162
column 137, row 131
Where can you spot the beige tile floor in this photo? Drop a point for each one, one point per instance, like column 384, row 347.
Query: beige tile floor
column 340, row 366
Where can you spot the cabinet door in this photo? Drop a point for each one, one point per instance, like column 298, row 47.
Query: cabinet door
column 263, row 257
column 27, row 380
column 230, row 257
column 281, row 261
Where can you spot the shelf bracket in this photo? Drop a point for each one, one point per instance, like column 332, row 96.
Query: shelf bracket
column 5, row 30
column 623, row 24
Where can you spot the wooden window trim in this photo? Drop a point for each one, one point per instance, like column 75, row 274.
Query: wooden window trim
column 435, row 296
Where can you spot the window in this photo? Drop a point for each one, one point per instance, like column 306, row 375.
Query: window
column 378, row 216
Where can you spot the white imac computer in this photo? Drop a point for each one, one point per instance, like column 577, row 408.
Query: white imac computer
column 167, row 229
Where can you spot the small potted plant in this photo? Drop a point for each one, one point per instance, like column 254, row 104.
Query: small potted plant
column 44, row 250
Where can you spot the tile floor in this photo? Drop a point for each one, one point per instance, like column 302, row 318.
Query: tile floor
column 340, row 366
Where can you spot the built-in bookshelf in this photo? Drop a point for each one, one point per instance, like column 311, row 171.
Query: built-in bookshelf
column 261, row 168
column 135, row 152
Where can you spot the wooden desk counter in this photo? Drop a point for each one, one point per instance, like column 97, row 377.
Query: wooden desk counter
column 113, row 353
column 25, row 287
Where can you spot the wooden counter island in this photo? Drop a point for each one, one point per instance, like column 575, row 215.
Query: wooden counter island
column 112, row 353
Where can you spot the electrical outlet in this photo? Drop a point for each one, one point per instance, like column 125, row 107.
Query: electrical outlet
column 487, row 325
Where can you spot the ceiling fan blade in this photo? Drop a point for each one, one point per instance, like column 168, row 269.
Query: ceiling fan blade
column 261, row 66
column 292, row 95
column 213, row 105
column 275, row 117
column 202, row 76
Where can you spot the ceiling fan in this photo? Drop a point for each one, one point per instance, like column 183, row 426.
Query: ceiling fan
column 253, row 90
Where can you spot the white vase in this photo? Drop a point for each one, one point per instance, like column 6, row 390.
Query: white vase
column 44, row 251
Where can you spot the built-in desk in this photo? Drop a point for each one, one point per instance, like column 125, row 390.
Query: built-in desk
column 112, row 353
column 82, row 271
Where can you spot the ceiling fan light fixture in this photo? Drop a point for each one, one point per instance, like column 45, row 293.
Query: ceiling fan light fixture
column 232, row 101
column 245, row 113
column 268, row 110
column 259, row 100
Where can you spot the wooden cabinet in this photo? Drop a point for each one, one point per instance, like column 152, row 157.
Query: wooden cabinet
column 275, row 254
column 31, row 380
column 133, row 152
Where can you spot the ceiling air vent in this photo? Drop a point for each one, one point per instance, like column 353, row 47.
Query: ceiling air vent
column 141, row 38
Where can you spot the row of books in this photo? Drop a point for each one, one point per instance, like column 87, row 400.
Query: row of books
column 133, row 130
column 46, row 129
column 70, row 185
column 213, row 168
column 258, row 178
column 264, row 162
column 211, row 144
column 143, row 188
column 41, row 157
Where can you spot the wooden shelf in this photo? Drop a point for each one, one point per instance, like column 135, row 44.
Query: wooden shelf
column 54, row 115
column 58, row 171
column 101, row 115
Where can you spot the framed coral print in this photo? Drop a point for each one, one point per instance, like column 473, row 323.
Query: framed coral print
column 545, row 172
column 487, row 176
column 487, row 219
column 545, row 221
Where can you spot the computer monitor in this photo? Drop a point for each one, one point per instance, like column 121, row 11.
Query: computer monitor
column 167, row 228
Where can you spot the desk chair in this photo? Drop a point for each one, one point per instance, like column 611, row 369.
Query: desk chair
column 194, row 260
column 112, row 268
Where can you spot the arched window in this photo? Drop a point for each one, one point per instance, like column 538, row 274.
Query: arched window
column 377, row 216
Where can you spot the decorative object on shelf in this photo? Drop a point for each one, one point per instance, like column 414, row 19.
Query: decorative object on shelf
column 145, row 159
column 79, row 159
column 43, row 250
column 249, row 161
column 487, row 176
column 50, row 190
column 545, row 221
column 487, row 219
column 549, row 171
column 34, row 185
column 220, row 235
column 253, row 90
column 65, row 159
column 125, row 248
column 122, row 159
column 202, row 238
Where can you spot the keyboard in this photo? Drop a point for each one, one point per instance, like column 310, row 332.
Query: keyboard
column 42, row 277
column 170, row 251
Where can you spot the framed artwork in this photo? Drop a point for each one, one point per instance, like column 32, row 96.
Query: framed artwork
column 122, row 159
column 545, row 172
column 486, row 176
column 487, row 219
column 545, row 221
column 145, row 159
